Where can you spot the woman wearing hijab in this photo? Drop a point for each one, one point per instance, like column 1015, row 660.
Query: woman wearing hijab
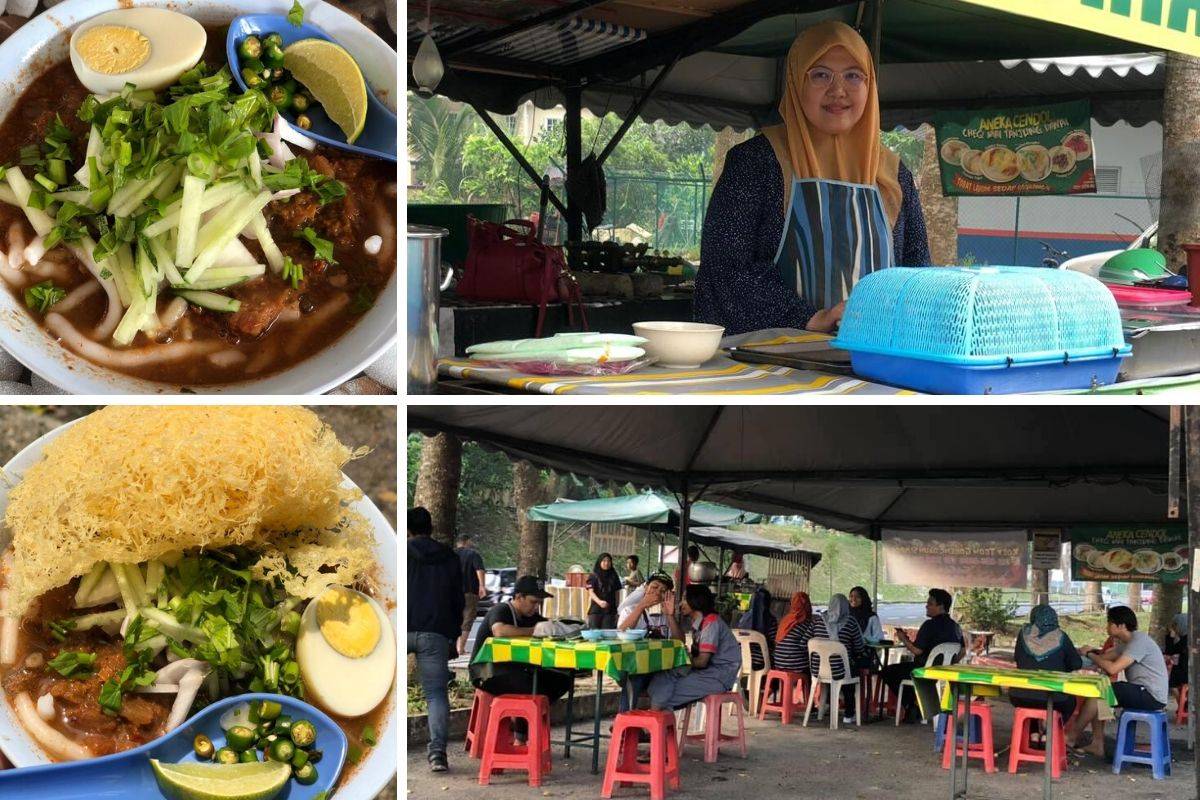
column 604, row 588
column 807, row 208
column 796, row 628
column 759, row 618
column 1177, row 645
column 737, row 568
column 843, row 627
column 862, row 611
column 1043, row 645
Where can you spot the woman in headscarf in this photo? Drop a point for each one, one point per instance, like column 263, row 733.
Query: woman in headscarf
column 1043, row 645
column 804, row 210
column 795, row 629
column 604, row 589
column 862, row 611
column 737, row 568
column 759, row 618
column 843, row 627
column 1176, row 644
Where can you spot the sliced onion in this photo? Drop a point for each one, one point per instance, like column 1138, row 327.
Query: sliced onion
column 284, row 193
column 174, row 672
column 45, row 707
column 238, row 715
column 189, row 687
column 49, row 738
column 373, row 244
column 290, row 134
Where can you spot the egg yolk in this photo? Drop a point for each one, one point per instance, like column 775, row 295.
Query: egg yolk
column 113, row 49
column 347, row 622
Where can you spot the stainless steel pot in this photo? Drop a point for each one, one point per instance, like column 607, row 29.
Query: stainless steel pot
column 424, row 268
column 702, row 572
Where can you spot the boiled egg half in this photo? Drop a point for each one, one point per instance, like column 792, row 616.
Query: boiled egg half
column 148, row 47
column 346, row 651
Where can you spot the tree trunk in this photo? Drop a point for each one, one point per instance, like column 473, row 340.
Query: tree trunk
column 726, row 139
column 1179, row 215
column 534, row 541
column 941, row 213
column 1135, row 596
column 1093, row 598
column 1041, row 587
column 1168, row 601
column 437, row 484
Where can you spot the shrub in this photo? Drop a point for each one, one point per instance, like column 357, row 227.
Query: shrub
column 985, row 609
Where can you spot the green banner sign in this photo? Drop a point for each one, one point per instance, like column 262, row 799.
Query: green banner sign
column 1039, row 150
column 1131, row 554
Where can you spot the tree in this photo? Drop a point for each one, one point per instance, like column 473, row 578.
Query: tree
column 1040, row 590
column 941, row 213
column 1168, row 601
column 1179, row 214
column 534, row 538
column 437, row 132
column 1135, row 596
column 437, row 484
column 1093, row 597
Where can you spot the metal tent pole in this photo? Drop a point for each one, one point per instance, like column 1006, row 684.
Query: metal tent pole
column 875, row 567
column 1192, row 431
column 685, row 521
column 573, row 128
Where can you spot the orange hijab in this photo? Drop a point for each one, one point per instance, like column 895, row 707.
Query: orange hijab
column 855, row 157
column 798, row 612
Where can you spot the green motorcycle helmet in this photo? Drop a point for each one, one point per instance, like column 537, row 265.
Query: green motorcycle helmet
column 1131, row 267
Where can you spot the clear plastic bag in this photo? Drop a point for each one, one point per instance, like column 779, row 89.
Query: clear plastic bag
column 551, row 368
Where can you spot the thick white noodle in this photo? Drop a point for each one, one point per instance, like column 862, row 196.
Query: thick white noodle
column 16, row 246
column 8, row 630
column 45, row 706
column 227, row 358
column 315, row 320
column 112, row 315
column 49, row 738
column 125, row 359
column 173, row 313
column 78, row 295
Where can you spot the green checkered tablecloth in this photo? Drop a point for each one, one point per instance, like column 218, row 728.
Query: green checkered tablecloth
column 616, row 659
column 992, row 679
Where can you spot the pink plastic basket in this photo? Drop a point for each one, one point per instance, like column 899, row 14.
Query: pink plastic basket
column 1147, row 297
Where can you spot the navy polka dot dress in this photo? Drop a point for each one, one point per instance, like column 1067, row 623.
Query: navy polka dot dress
column 738, row 285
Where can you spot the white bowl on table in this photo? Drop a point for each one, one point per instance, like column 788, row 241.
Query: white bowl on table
column 366, row 779
column 680, row 345
column 42, row 43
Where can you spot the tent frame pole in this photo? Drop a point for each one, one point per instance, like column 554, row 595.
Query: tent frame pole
column 488, row 37
column 1191, row 418
column 573, row 129
column 632, row 115
column 685, row 522
column 520, row 159
column 875, row 534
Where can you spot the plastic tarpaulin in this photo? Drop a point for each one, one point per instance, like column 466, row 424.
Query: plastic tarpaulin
column 854, row 468
column 640, row 509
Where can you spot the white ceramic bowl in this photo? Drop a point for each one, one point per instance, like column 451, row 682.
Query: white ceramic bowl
column 680, row 345
column 367, row 779
column 41, row 43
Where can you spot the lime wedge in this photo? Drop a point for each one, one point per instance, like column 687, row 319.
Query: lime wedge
column 257, row 781
column 334, row 80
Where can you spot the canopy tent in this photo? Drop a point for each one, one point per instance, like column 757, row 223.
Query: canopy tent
column 719, row 61
column 649, row 510
column 749, row 544
column 853, row 468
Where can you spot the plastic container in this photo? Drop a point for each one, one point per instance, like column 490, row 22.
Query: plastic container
column 632, row 635
column 983, row 330
column 1148, row 297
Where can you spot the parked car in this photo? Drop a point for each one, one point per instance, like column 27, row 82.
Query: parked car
column 499, row 584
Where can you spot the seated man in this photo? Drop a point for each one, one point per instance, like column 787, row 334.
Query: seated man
column 516, row 618
column 1145, row 684
column 716, row 654
column 938, row 629
column 634, row 612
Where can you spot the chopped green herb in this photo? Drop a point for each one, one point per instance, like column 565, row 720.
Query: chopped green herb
column 322, row 247
column 60, row 628
column 363, row 300
column 292, row 272
column 296, row 15
column 368, row 736
column 40, row 297
column 70, row 662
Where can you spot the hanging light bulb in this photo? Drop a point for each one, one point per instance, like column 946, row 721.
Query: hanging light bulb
column 427, row 68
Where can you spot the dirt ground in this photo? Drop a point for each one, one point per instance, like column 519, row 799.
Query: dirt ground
column 876, row 761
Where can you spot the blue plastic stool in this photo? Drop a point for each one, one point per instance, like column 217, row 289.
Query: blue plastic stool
column 1159, row 757
column 939, row 734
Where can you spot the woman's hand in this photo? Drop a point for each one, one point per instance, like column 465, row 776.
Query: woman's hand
column 668, row 604
column 827, row 319
column 602, row 603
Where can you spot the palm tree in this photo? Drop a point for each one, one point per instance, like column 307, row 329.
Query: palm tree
column 437, row 131
column 1179, row 215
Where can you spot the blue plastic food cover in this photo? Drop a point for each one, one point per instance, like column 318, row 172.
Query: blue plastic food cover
column 983, row 329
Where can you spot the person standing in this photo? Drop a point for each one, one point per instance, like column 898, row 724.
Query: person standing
column 1176, row 644
column 635, row 578
column 604, row 589
column 474, row 585
column 435, row 609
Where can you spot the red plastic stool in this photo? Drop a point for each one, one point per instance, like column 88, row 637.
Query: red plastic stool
column 499, row 752
column 623, row 768
column 477, row 724
column 984, row 749
column 1181, row 713
column 712, row 736
column 792, row 688
column 1021, row 748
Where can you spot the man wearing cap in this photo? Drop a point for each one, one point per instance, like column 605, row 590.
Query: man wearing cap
column 514, row 619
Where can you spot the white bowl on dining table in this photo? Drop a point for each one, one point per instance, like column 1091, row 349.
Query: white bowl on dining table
column 43, row 42
column 680, row 345
column 368, row 778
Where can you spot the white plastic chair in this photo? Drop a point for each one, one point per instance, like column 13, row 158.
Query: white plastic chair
column 754, row 677
column 940, row 655
column 823, row 651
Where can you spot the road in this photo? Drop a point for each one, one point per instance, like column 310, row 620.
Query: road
column 909, row 614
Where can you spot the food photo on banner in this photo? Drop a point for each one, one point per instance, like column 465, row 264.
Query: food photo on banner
column 1036, row 150
column 994, row 559
column 1143, row 554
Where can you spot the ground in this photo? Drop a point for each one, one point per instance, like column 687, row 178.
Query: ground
column 877, row 761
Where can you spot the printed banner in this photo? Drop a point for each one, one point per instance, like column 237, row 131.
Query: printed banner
column 942, row 558
column 1131, row 553
column 1038, row 150
column 1161, row 24
column 1047, row 548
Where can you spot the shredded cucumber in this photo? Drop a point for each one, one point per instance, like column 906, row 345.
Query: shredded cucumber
column 210, row 300
column 189, row 220
column 270, row 249
column 221, row 236
column 40, row 220
column 168, row 624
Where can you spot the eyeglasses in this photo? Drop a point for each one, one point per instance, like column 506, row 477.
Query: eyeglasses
column 823, row 78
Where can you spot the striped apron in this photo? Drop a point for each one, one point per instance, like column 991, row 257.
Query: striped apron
column 834, row 233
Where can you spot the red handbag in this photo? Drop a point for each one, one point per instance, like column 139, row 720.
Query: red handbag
column 507, row 263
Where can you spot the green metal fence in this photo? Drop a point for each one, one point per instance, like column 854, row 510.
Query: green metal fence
column 669, row 211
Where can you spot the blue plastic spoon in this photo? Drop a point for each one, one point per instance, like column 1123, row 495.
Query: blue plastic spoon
column 379, row 134
column 128, row 776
